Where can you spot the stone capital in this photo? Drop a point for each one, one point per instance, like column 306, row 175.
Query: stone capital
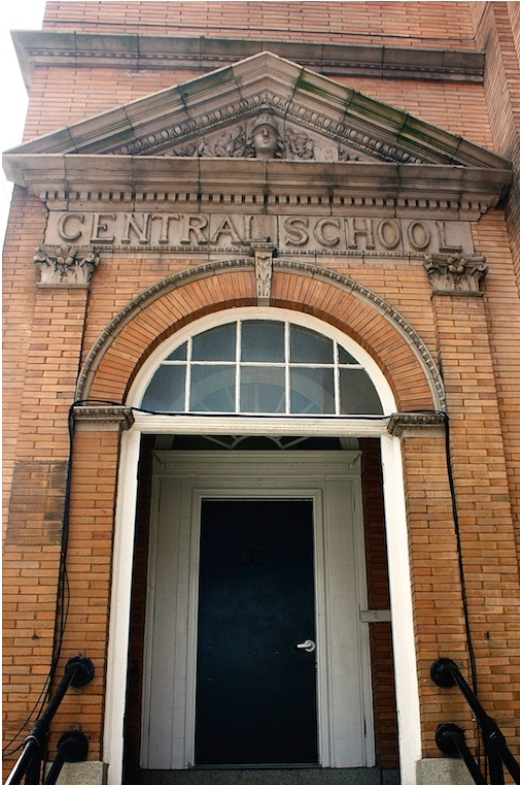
column 454, row 273
column 66, row 265
column 103, row 418
column 416, row 424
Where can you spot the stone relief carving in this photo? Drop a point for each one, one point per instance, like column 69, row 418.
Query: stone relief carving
column 66, row 265
column 266, row 141
column 300, row 144
column 455, row 273
column 264, row 253
column 304, row 134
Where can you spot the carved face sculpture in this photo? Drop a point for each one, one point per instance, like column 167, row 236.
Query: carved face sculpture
column 265, row 137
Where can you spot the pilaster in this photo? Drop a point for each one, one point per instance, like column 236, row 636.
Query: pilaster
column 487, row 537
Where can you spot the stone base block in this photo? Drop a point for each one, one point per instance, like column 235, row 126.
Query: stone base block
column 442, row 771
column 90, row 772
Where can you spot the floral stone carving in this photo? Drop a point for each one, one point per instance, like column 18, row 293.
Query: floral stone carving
column 455, row 273
column 66, row 265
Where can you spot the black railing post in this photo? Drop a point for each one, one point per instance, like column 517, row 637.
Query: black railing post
column 450, row 740
column 72, row 747
column 445, row 673
column 78, row 672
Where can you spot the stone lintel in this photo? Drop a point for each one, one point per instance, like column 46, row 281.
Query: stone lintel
column 103, row 418
column 141, row 51
column 416, row 424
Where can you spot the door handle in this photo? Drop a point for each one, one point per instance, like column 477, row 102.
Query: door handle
column 307, row 645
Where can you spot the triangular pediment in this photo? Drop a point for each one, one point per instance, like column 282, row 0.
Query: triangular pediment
column 302, row 115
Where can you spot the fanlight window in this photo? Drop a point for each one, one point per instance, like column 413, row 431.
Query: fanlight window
column 261, row 367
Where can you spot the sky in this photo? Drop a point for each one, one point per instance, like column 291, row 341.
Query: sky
column 14, row 15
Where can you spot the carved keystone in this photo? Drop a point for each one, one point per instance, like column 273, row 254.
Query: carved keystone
column 66, row 265
column 454, row 273
column 264, row 253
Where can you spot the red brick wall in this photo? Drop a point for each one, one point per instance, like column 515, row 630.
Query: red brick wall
column 436, row 25
column 48, row 334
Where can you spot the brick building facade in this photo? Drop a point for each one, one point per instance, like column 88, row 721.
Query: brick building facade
column 262, row 386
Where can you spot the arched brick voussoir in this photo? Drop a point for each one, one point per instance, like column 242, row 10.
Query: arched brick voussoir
column 371, row 321
column 158, row 312
column 153, row 316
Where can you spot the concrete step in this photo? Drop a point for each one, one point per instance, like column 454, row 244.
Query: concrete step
column 263, row 776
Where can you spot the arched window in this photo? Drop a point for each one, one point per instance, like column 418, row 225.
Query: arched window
column 259, row 366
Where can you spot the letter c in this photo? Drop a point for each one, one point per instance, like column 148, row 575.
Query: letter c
column 62, row 226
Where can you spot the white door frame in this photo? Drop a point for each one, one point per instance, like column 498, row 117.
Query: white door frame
column 332, row 481
column 407, row 693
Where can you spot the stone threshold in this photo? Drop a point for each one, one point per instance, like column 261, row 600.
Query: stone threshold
column 263, row 776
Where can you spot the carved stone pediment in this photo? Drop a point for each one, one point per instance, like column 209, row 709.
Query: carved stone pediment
column 269, row 109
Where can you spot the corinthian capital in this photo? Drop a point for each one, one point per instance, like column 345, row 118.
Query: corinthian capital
column 455, row 273
column 66, row 265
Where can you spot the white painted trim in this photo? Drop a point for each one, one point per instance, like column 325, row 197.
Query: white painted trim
column 405, row 662
column 261, row 426
column 407, row 695
column 331, row 480
column 122, row 567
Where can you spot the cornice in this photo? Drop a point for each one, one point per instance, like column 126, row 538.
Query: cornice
column 262, row 183
column 138, row 51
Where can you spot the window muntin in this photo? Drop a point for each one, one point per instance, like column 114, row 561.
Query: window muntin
column 254, row 366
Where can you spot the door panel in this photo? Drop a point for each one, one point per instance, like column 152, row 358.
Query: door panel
column 322, row 491
column 256, row 692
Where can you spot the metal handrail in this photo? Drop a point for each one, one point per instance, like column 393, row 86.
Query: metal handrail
column 445, row 673
column 78, row 672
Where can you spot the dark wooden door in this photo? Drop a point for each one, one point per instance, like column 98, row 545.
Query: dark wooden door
column 256, row 691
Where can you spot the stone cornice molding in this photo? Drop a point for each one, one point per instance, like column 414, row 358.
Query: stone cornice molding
column 455, row 273
column 140, row 51
column 103, row 418
column 70, row 266
column 251, row 181
column 415, row 423
column 326, row 203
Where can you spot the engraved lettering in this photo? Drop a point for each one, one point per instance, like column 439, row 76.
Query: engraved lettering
column 98, row 226
column 140, row 231
column 419, row 235
column 443, row 244
column 248, row 228
column 63, row 222
column 197, row 224
column 325, row 239
column 389, row 234
column 360, row 227
column 165, row 218
column 296, row 229
column 226, row 226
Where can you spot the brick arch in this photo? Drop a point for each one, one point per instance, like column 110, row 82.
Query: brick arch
column 158, row 312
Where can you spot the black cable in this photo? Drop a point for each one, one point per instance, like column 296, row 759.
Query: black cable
column 449, row 462
column 63, row 592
